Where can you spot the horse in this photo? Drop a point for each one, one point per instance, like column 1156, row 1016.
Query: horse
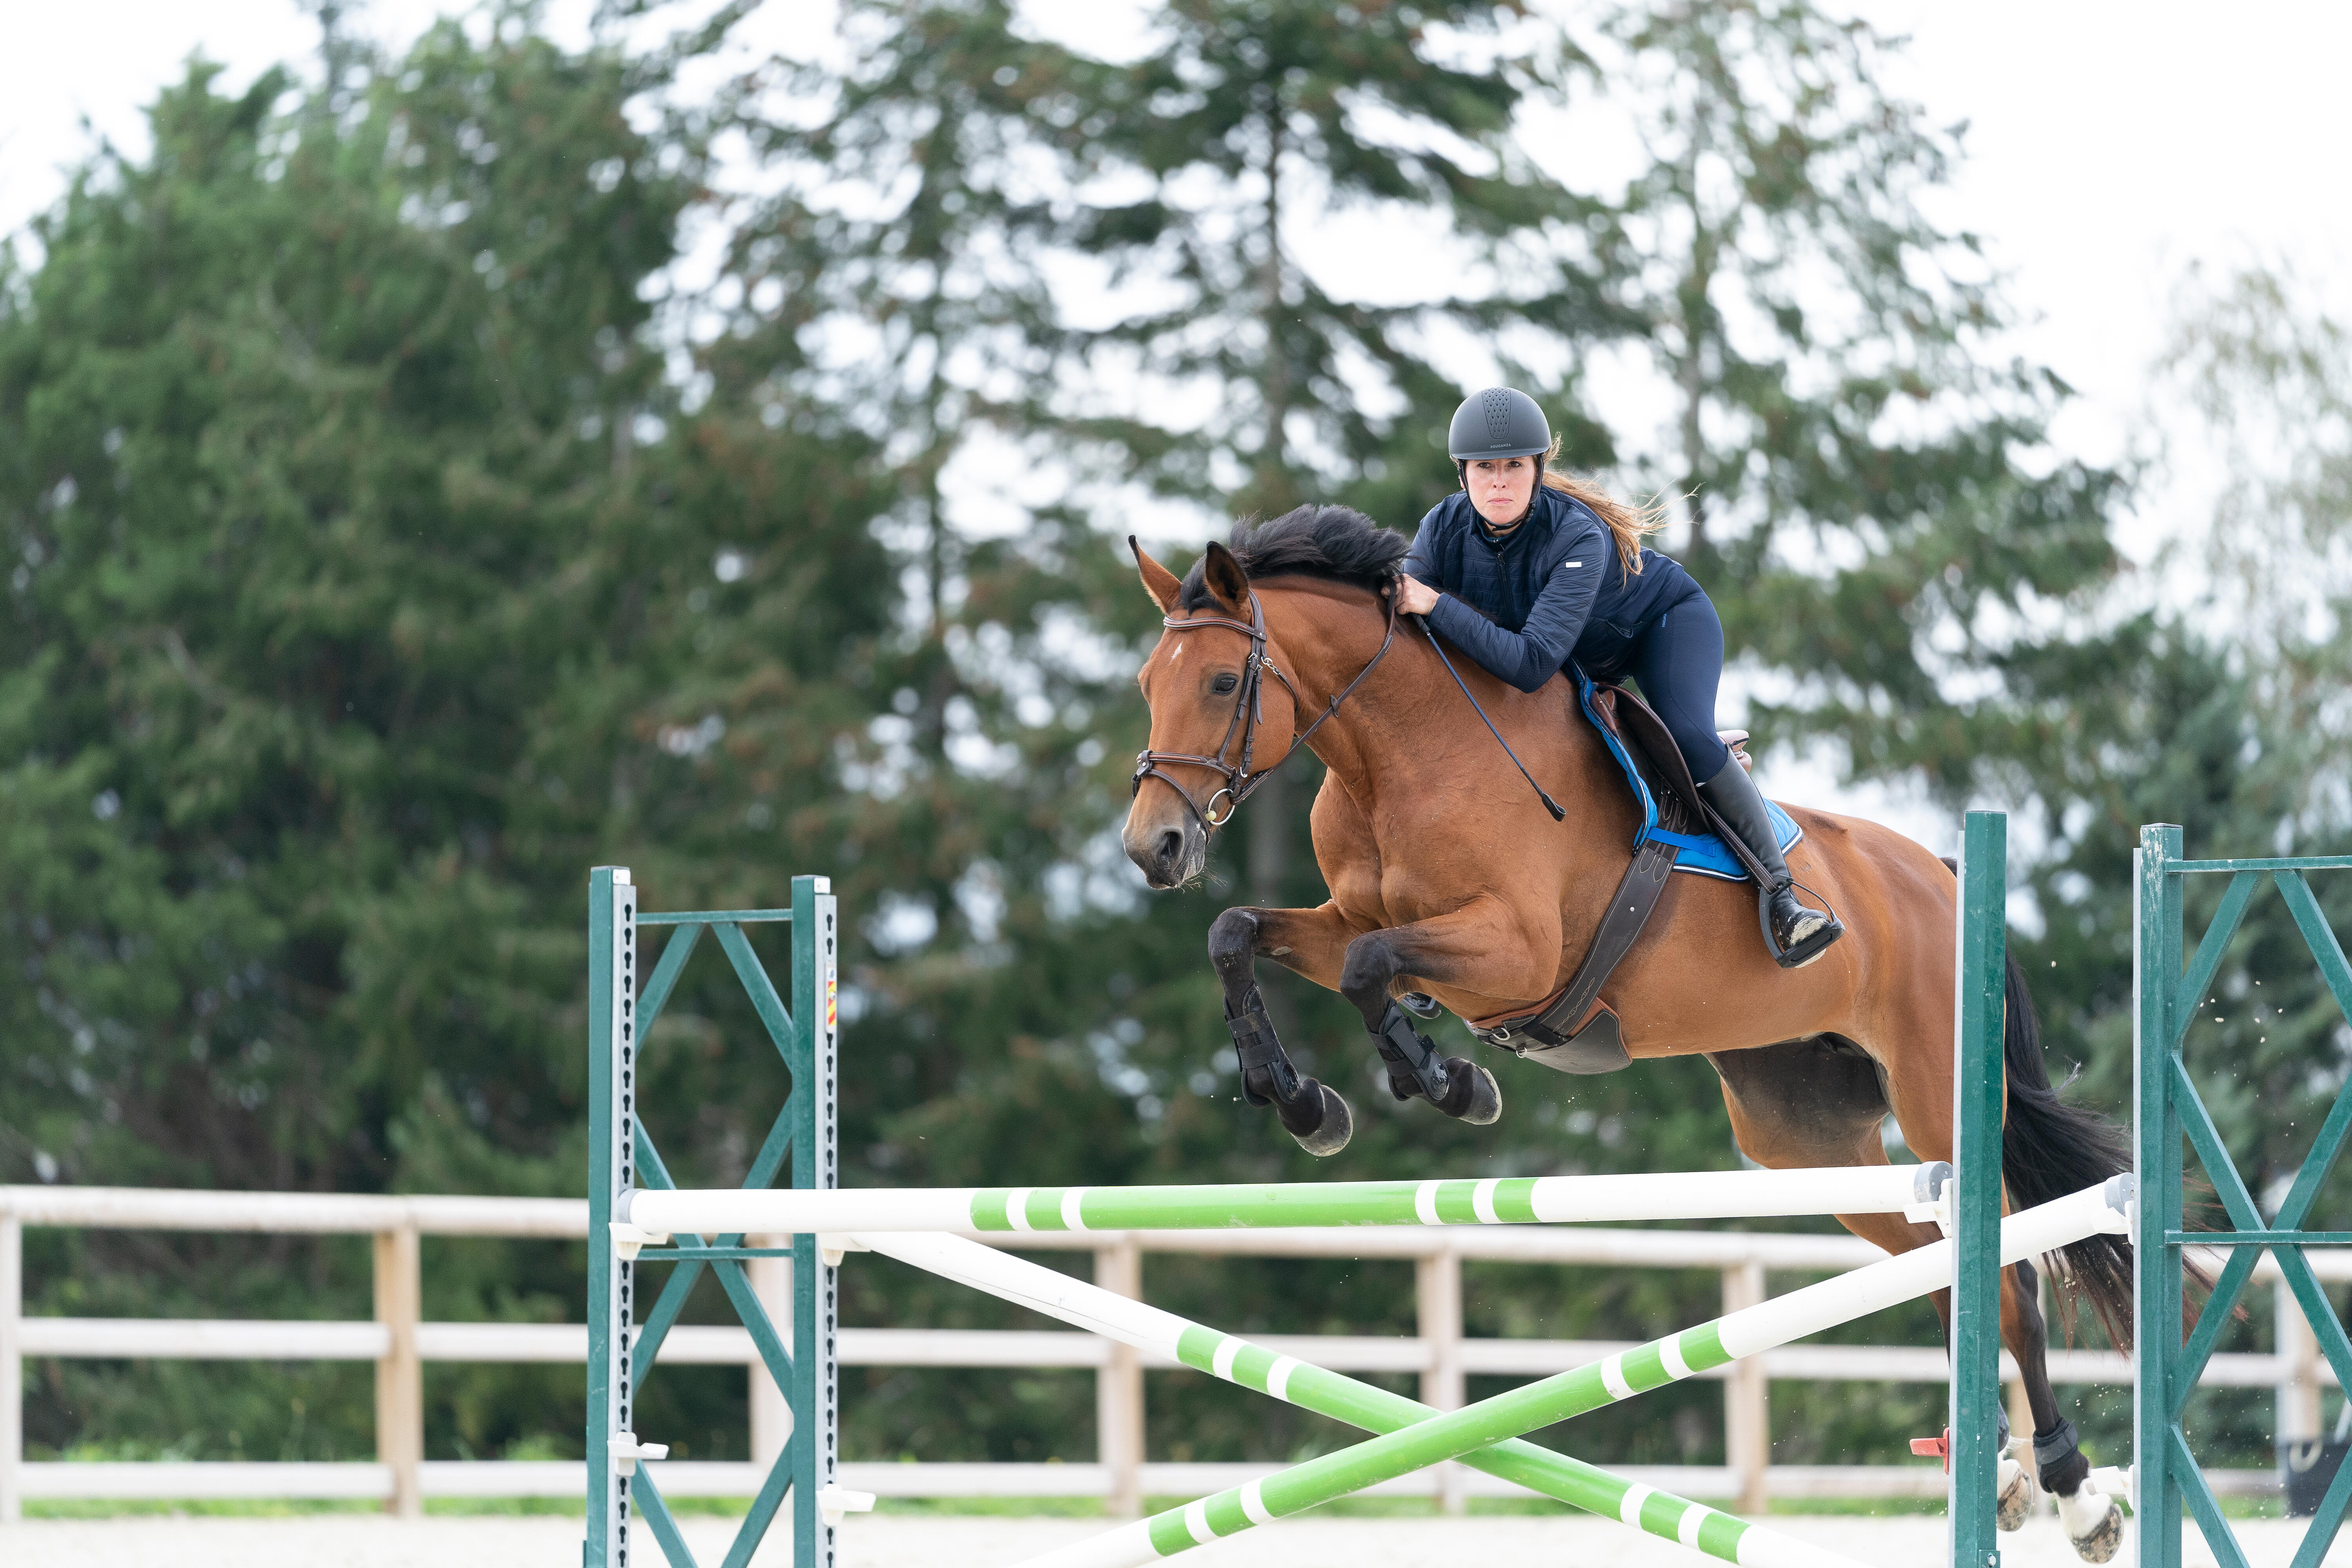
column 1449, row 879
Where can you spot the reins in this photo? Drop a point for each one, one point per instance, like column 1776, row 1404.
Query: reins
column 1558, row 814
column 1249, row 712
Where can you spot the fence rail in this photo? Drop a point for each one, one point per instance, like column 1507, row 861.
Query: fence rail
column 399, row 1341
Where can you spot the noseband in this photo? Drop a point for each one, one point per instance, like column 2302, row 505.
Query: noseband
column 1249, row 712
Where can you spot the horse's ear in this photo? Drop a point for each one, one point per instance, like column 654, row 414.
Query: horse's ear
column 1157, row 581
column 1225, row 577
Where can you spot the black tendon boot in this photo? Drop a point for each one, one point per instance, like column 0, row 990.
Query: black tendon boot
column 1796, row 933
column 1461, row 1088
column 1310, row 1113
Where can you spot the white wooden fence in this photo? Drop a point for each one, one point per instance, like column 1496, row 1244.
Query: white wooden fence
column 399, row 1342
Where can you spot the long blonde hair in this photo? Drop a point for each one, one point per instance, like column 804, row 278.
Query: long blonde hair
column 1628, row 523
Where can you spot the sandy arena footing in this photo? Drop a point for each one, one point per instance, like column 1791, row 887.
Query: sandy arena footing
column 344, row 1541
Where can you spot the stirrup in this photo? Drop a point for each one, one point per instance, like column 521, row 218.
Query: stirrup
column 1259, row 1049
column 1800, row 953
column 1420, row 1004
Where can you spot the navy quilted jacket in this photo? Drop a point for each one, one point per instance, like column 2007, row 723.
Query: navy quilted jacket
column 1550, row 591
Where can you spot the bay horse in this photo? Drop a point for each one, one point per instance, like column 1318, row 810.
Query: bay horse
column 1449, row 877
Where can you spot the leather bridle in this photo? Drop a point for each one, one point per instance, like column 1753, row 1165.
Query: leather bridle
column 1249, row 712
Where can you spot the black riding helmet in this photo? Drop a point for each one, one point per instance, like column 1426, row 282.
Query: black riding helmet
column 1500, row 422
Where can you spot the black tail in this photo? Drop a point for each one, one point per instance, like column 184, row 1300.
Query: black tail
column 2049, row 1149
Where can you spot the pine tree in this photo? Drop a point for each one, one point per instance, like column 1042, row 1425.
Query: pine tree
column 1869, row 495
column 363, row 577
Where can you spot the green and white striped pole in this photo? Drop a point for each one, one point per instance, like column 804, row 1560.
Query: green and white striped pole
column 1510, row 1200
column 1717, row 1534
column 1451, row 1435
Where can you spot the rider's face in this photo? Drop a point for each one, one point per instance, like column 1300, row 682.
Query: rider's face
column 1500, row 487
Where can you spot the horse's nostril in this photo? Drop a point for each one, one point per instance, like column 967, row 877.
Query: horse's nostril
column 1172, row 846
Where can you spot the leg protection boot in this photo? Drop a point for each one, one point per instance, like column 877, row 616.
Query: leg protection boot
column 1310, row 1113
column 1795, row 933
column 1459, row 1088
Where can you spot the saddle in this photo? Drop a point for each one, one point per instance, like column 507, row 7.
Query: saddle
column 1574, row 1031
column 1643, row 735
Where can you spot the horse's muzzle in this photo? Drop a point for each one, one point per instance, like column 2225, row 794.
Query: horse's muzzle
column 1169, row 851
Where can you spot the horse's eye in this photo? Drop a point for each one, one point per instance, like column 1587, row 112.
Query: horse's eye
column 1224, row 684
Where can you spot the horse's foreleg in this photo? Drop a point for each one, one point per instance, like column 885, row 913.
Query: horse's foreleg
column 1475, row 947
column 1310, row 942
column 1920, row 1086
column 2094, row 1522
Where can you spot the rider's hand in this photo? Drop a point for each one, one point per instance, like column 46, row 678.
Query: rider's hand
column 1414, row 597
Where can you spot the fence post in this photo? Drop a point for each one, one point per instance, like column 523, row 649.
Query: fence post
column 2157, row 1157
column 2298, row 1357
column 771, row 1413
column 1118, row 1389
column 2020, row 1425
column 815, row 1066
column 1747, row 1406
column 11, row 1368
column 611, row 1159
column 1437, row 1304
column 1981, row 950
column 400, row 1375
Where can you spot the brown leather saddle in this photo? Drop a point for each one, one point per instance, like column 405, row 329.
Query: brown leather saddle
column 1574, row 1030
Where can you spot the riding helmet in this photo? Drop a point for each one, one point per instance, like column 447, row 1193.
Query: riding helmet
column 1500, row 422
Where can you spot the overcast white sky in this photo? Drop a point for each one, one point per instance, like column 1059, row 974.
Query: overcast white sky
column 2112, row 147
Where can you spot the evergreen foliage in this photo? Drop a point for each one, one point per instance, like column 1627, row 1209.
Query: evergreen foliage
column 383, row 553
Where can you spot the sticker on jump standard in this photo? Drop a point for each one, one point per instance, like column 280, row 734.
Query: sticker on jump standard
column 832, row 1000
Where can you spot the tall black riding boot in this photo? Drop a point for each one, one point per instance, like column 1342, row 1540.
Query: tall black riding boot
column 1796, row 933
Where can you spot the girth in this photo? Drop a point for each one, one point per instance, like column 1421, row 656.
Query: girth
column 1576, row 1031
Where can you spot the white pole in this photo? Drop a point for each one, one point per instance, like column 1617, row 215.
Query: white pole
column 771, row 1280
column 2025, row 1234
column 1540, row 1200
column 1227, row 1356
column 12, row 1367
column 1481, row 1428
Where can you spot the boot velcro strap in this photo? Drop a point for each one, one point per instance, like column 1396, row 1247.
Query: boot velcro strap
column 1253, row 1038
column 1414, row 1066
column 1258, row 1050
column 2054, row 1444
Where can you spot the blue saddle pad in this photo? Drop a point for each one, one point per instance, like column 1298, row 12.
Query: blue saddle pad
column 1703, row 854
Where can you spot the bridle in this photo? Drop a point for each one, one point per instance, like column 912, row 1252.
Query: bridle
column 1249, row 712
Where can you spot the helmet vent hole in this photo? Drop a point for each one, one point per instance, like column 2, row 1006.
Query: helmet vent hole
column 1498, row 417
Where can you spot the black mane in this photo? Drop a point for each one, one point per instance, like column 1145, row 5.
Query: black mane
column 1334, row 543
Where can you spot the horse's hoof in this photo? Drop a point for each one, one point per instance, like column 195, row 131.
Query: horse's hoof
column 2015, row 1498
column 1472, row 1094
column 1332, row 1126
column 2094, row 1523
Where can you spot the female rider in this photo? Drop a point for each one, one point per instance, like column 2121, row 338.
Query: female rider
column 1526, row 570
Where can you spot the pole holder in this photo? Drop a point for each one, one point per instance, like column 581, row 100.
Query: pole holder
column 625, row 1451
column 627, row 1238
column 834, row 1502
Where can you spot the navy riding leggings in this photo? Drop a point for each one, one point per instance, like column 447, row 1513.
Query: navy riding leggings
column 1678, row 663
